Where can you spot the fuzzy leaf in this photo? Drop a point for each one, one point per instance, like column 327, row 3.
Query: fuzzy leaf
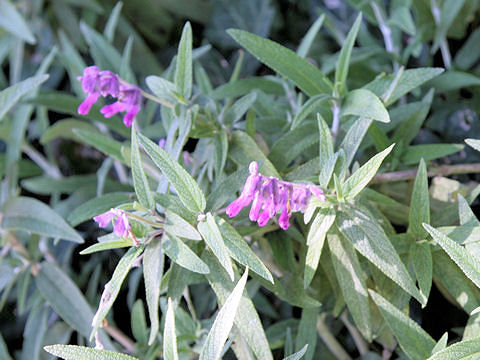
column 74, row 352
column 183, row 71
column 169, row 334
column 142, row 188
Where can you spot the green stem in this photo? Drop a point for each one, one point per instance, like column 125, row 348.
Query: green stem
column 330, row 340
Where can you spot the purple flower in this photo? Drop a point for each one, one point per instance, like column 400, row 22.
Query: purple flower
column 122, row 226
column 272, row 196
column 129, row 100
column 98, row 83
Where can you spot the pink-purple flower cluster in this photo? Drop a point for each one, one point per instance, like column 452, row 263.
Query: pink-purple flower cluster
column 270, row 196
column 122, row 226
column 98, row 83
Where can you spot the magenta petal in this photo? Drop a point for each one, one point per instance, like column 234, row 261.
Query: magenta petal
column 256, row 206
column 317, row 192
column 284, row 219
column 263, row 218
column 90, row 79
column 122, row 226
column 130, row 115
column 104, row 219
column 109, row 84
column 87, row 104
column 236, row 206
column 110, row 110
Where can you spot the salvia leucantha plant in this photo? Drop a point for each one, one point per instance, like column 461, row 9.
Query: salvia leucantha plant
column 301, row 202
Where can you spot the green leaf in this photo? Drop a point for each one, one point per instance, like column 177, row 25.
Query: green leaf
column 112, row 288
column 416, row 343
column 454, row 80
column 351, row 279
column 247, row 320
column 419, row 204
column 240, row 251
column 183, row 71
column 103, row 143
column 67, row 104
column 142, row 188
column 213, row 238
column 112, row 22
column 11, row 95
column 64, row 129
column 96, row 206
column 242, row 87
column 409, row 80
column 178, row 226
column 291, row 145
column 326, row 142
column 74, row 352
column 218, row 334
column 353, row 138
column 187, row 189
column 309, row 37
column 474, row 143
column 182, row 255
column 423, row 267
column 465, row 261
column 469, row 349
column 13, row 22
column 238, row 109
column 363, row 175
column 153, row 261
column 469, row 53
column 371, row 241
column 66, row 299
column 23, row 213
column 169, row 334
column 107, row 245
column 138, row 323
column 307, row 332
column 441, row 343
column 343, row 63
column 223, row 191
column 284, row 61
column 244, row 149
column 412, row 154
column 4, row 350
column 299, row 354
column 364, row 103
column 307, row 108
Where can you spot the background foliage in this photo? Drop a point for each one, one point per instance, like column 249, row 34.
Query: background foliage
column 350, row 94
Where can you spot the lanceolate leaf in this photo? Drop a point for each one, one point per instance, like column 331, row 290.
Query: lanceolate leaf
column 284, row 61
column 140, row 181
column 240, row 251
column 370, row 240
column 212, row 236
column 152, row 274
column 169, row 334
column 362, row 176
column 247, row 320
column 299, row 354
column 352, row 282
column 419, row 203
column 344, row 58
column 468, row 350
column 416, row 343
column 423, row 267
column 465, row 261
column 74, row 352
column 112, row 288
column 213, row 346
column 364, row 103
column 29, row 214
column 181, row 254
column 183, row 73
column 12, row 94
column 187, row 189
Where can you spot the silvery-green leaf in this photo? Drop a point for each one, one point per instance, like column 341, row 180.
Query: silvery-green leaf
column 469, row 349
column 181, row 254
column 183, row 71
column 142, row 188
column 218, row 334
column 74, row 352
column 364, row 103
column 169, row 334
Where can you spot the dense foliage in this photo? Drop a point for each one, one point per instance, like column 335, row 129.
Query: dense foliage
column 176, row 185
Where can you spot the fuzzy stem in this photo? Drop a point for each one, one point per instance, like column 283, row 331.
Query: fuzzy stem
column 330, row 340
column 157, row 100
column 335, row 120
column 386, row 32
column 120, row 337
column 443, row 170
column 38, row 158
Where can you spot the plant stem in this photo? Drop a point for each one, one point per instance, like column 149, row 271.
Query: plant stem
column 443, row 170
column 120, row 337
column 157, row 100
column 335, row 120
column 330, row 340
column 386, row 32
column 356, row 336
column 40, row 160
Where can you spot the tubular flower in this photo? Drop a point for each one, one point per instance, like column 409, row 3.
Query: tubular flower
column 271, row 196
column 122, row 226
column 98, row 83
